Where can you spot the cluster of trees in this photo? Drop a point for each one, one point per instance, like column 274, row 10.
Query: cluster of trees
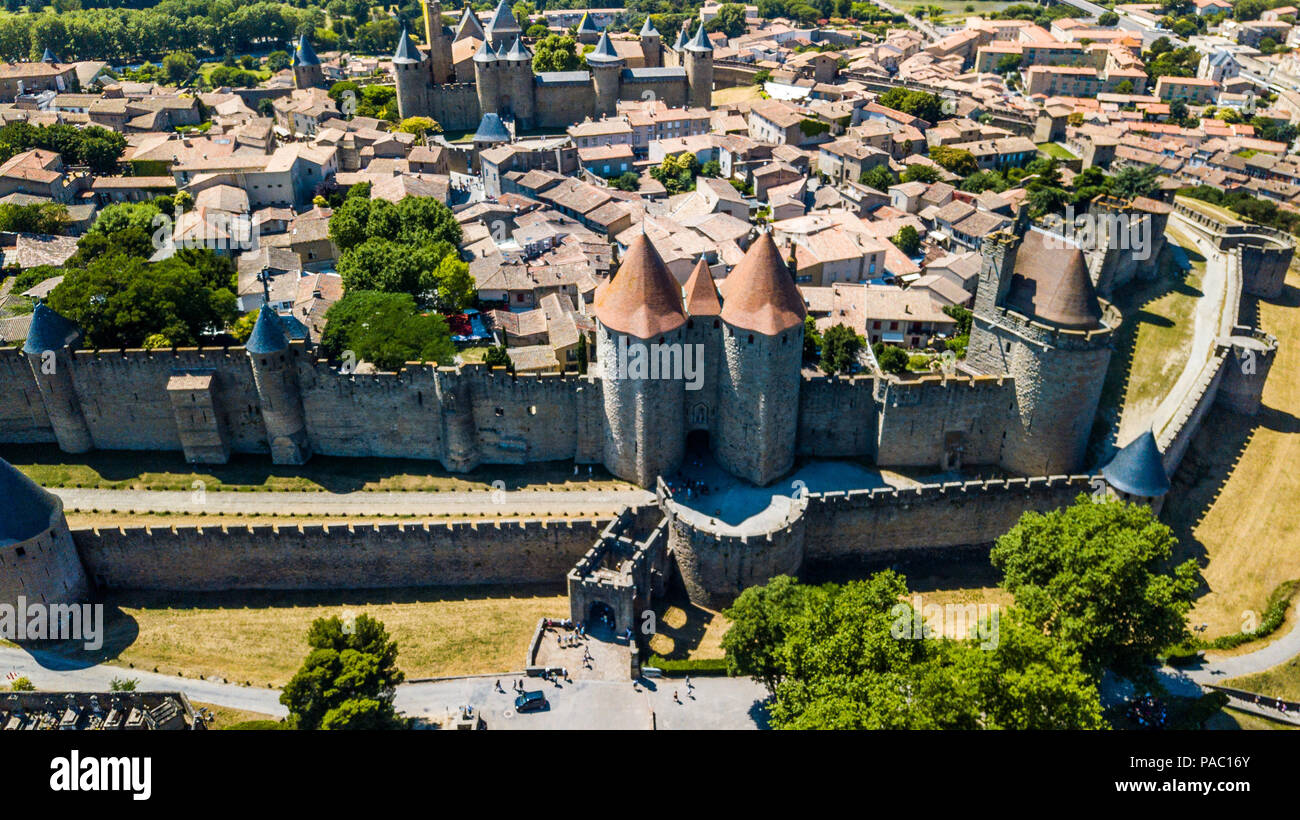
column 957, row 160
column 556, row 52
column 95, row 146
column 1163, row 60
column 1263, row 211
column 1092, row 593
column 1041, row 15
column 378, row 101
column 677, row 172
column 348, row 680
column 121, row 299
column 39, row 217
column 917, row 103
column 399, row 266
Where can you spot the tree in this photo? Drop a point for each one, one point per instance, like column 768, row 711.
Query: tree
column 23, row 684
column 812, row 340
column 1092, row 575
column 845, row 657
column 1107, row 18
column 1124, row 87
column 278, row 60
column 179, row 66
column 627, row 181
column 677, row 172
column 38, row 217
column 1134, row 181
column 243, row 326
column 385, row 329
column 1008, row 64
column 890, row 358
column 555, row 52
column 907, row 240
column 840, row 347
column 957, row 160
column 120, row 300
column 730, row 20
column 420, row 126
column 917, row 103
column 916, row 172
column 879, row 178
column 348, row 680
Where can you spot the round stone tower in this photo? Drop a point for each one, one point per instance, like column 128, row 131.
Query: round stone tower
column 758, row 378
column 651, row 45
column 697, row 57
column 460, row 439
column 516, row 67
column 307, row 71
column 487, row 78
column 639, row 334
column 50, row 341
column 275, row 375
column 38, row 559
column 503, row 27
column 1038, row 319
column 704, row 335
column 411, row 74
column 1249, row 360
column 607, row 75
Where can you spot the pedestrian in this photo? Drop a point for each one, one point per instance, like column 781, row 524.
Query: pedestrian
column 675, row 698
column 689, row 685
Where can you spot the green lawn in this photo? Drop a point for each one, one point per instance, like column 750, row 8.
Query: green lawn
column 1059, row 151
column 118, row 470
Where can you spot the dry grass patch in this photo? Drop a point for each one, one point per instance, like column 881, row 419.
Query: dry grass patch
column 259, row 637
column 1233, row 506
column 1282, row 681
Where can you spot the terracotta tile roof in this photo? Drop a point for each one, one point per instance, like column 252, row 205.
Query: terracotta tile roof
column 760, row 292
column 701, row 293
column 1051, row 282
column 643, row 298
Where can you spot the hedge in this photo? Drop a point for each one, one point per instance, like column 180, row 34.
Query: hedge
column 699, row 666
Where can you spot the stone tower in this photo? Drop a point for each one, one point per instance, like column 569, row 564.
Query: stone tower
column 587, row 32
column 307, row 72
column 487, row 78
column 759, row 375
column 1037, row 318
column 518, row 98
column 39, row 562
column 638, row 313
column 1137, row 472
column 411, row 75
column 469, row 27
column 1250, row 357
column 651, row 46
column 50, row 341
column 606, row 74
column 439, row 41
column 502, row 29
column 275, row 376
column 679, row 45
column 698, row 61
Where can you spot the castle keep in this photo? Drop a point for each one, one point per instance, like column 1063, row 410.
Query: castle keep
column 499, row 79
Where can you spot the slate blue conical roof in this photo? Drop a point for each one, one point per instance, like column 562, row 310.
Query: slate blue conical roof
column 406, row 50
column 485, row 54
column 648, row 29
column 491, row 129
column 604, row 51
column 682, row 37
column 700, row 42
column 502, row 20
column 50, row 331
column 48, row 57
column 305, row 54
column 267, row 336
column 518, row 52
column 585, row 25
column 1138, row 469
column 25, row 507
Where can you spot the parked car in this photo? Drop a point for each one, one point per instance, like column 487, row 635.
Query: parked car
column 531, row 702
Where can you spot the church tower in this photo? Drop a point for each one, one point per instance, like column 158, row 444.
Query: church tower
column 439, row 40
column 759, row 372
column 638, row 313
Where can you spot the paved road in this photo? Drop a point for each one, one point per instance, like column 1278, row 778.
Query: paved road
column 716, row 703
column 1217, row 671
column 468, row 503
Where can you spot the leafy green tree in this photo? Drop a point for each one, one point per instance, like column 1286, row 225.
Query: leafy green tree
column 759, row 619
column 916, row 172
column 422, row 127
column 348, row 680
column 1107, row 18
column 907, row 240
column 1134, row 181
column 38, row 217
column 957, row 160
column 385, row 329
column 730, row 20
column 556, row 52
column 120, row 300
column 1008, row 64
column 627, row 181
column 812, row 340
column 277, row 60
column 840, row 347
column 179, row 66
column 917, row 103
column 497, row 357
column 890, row 358
column 677, row 172
column 879, row 178
column 1093, row 575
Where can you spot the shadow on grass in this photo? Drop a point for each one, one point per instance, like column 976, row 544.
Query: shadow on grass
column 330, row 473
column 687, row 637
